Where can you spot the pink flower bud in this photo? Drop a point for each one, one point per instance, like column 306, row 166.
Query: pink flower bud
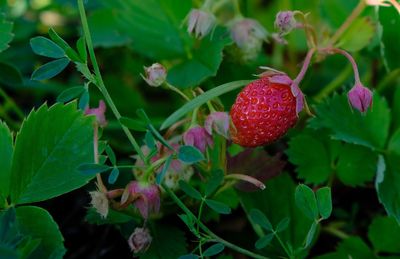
column 140, row 240
column 200, row 22
column 198, row 137
column 360, row 97
column 285, row 22
column 99, row 113
column 145, row 197
column 219, row 122
column 100, row 203
column 247, row 31
column 155, row 74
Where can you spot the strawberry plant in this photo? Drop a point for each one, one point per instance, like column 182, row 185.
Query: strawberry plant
column 199, row 129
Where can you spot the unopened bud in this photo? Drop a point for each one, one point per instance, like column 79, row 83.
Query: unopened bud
column 99, row 113
column 360, row 97
column 140, row 240
column 218, row 122
column 155, row 75
column 198, row 137
column 200, row 22
column 285, row 22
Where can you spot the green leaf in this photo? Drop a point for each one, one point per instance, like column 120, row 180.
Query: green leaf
column 149, row 140
column 364, row 28
column 356, row 165
column 282, row 225
column 154, row 26
column 384, row 233
column 111, row 155
column 160, row 176
column 390, row 21
column 354, row 247
column 70, row 93
column 38, row 223
column 214, row 249
column 302, row 150
column 276, row 207
column 10, row 75
column 202, row 99
column 189, row 256
column 81, row 46
column 50, row 69
column 190, row 155
column 345, row 124
column 387, row 184
column 306, row 201
column 112, row 178
column 168, row 242
column 84, row 100
column 324, row 201
column 50, row 146
column 259, row 218
column 92, row 169
column 113, row 217
column 218, row 207
column 133, row 124
column 104, row 29
column 6, row 34
column 215, row 180
column 44, row 47
column 203, row 63
column 311, row 234
column 71, row 54
column 189, row 190
column 264, row 241
column 394, row 143
column 6, row 154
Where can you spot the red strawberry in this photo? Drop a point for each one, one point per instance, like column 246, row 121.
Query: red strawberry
column 263, row 111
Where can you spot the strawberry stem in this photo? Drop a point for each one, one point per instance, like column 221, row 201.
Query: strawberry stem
column 306, row 64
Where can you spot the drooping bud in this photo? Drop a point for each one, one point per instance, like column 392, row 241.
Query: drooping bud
column 218, row 122
column 249, row 35
column 99, row 113
column 360, row 97
column 285, row 22
column 200, row 22
column 155, row 75
column 145, row 197
column 197, row 137
column 140, row 240
column 99, row 202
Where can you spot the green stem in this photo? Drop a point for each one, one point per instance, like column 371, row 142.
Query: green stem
column 346, row 24
column 283, row 245
column 199, row 214
column 176, row 90
column 207, row 230
column 99, row 79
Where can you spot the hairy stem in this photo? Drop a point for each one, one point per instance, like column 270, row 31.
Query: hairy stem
column 305, row 66
column 207, row 230
column 99, row 79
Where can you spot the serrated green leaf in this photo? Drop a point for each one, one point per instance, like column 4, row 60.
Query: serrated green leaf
column 92, row 169
column 264, row 241
column 335, row 114
column 204, row 62
column 387, row 184
column 202, row 99
column 302, row 150
column 50, row 146
column 215, row 180
column 112, row 178
column 70, row 93
column 38, row 223
column 6, row 34
column 168, row 242
column 384, row 233
column 282, row 225
column 71, row 54
column 154, row 26
column 50, row 69
column 364, row 28
column 214, row 250
column 259, row 218
column 218, row 207
column 189, row 190
column 306, row 201
column 44, row 47
column 190, row 154
column 6, row 154
column 356, row 165
column 310, row 234
column 324, row 201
